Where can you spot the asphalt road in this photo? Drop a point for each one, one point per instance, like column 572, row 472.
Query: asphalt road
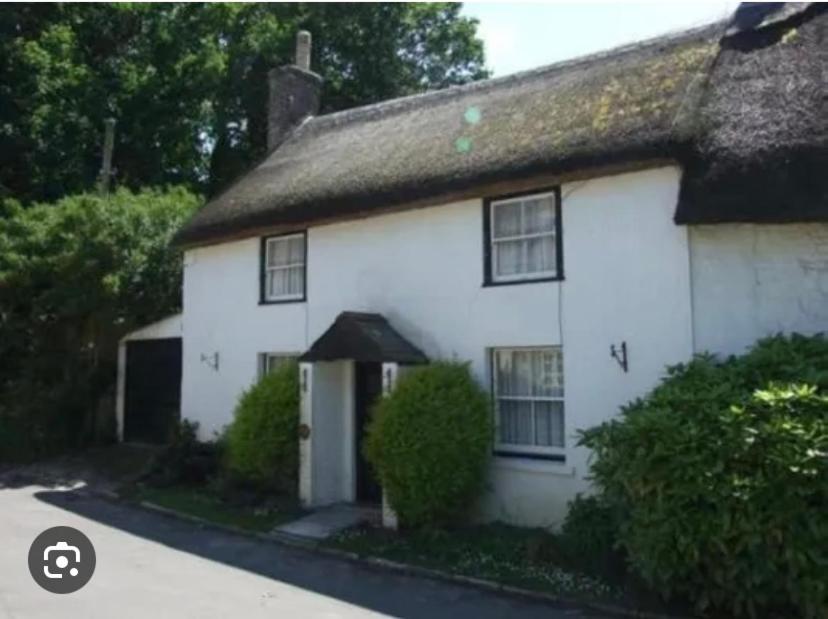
column 150, row 565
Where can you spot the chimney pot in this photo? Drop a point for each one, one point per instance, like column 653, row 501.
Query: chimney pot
column 294, row 92
column 303, row 50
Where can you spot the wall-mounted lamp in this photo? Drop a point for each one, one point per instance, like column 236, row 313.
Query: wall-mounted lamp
column 212, row 361
column 303, row 379
column 619, row 353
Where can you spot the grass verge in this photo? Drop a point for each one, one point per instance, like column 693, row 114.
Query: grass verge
column 519, row 557
column 203, row 503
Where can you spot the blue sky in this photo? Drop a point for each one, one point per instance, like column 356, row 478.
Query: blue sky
column 524, row 35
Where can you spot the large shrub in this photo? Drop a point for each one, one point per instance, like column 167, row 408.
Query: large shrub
column 721, row 477
column 262, row 442
column 589, row 537
column 430, row 441
column 185, row 460
column 75, row 276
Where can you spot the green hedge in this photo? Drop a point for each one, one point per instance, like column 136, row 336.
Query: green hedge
column 721, row 479
column 262, row 443
column 75, row 276
column 430, row 441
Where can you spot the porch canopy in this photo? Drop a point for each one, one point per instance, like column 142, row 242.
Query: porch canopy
column 363, row 337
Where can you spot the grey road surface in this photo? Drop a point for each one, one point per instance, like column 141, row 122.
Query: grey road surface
column 150, row 565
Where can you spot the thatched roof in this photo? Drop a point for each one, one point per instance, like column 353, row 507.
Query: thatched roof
column 678, row 98
column 762, row 140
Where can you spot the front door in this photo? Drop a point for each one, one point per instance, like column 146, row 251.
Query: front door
column 367, row 389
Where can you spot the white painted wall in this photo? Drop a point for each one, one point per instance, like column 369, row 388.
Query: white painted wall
column 627, row 278
column 755, row 280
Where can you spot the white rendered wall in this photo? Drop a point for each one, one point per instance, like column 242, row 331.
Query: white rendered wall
column 627, row 278
column 755, row 280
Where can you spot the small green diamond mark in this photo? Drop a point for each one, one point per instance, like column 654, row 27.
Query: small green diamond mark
column 463, row 145
column 472, row 115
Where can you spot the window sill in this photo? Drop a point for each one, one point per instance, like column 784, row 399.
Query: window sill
column 281, row 301
column 531, row 463
column 516, row 282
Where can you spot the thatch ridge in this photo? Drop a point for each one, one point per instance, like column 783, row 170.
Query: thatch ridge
column 665, row 99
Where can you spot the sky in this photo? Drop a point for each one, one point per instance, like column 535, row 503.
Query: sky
column 525, row 35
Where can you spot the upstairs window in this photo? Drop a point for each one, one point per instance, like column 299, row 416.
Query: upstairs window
column 283, row 268
column 529, row 401
column 523, row 238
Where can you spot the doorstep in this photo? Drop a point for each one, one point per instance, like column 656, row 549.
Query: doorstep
column 327, row 521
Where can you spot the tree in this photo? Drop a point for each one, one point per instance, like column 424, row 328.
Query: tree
column 187, row 82
column 75, row 276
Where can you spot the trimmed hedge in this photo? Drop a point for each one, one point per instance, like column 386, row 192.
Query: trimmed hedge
column 262, row 444
column 430, row 441
column 720, row 477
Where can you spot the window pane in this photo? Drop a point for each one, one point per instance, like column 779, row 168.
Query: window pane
column 540, row 254
column 277, row 252
column 509, row 257
column 285, row 251
column 296, row 280
column 515, row 422
column 539, row 215
column 548, row 372
column 507, row 218
column 277, row 283
column 296, row 250
column 549, row 424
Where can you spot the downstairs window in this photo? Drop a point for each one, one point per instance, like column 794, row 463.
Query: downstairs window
column 529, row 401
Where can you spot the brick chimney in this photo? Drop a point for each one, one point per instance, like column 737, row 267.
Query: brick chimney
column 294, row 92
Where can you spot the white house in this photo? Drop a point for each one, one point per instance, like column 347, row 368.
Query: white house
column 569, row 231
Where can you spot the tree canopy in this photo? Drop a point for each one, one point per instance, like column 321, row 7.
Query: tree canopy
column 187, row 82
column 75, row 275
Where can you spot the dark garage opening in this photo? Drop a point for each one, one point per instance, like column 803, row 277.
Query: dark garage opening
column 152, row 401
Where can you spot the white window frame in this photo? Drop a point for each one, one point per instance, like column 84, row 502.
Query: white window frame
column 268, row 269
column 554, row 233
column 506, row 449
column 265, row 360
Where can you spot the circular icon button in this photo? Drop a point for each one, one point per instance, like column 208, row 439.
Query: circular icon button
column 61, row 560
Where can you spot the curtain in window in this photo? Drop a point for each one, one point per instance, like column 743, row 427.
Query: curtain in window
column 529, row 395
column 285, row 267
column 523, row 237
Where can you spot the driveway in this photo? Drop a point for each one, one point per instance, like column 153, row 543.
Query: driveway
column 149, row 565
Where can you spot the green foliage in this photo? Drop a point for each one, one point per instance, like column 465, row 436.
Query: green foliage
column 513, row 556
column 263, row 440
column 721, row 477
column 187, row 82
column 430, row 441
column 75, row 276
column 589, row 537
column 186, row 460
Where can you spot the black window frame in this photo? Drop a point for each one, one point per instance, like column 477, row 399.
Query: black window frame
column 263, row 300
column 488, row 279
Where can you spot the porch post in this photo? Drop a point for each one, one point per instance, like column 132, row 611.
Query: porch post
column 390, row 371
column 305, row 433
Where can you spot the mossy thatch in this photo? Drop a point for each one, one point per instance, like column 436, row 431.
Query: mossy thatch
column 724, row 106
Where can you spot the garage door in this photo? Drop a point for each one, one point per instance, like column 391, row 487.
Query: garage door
column 152, row 401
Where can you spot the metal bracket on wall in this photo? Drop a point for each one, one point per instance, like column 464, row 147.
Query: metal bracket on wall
column 212, row 361
column 619, row 353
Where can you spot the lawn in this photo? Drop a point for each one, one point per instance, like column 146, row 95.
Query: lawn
column 527, row 558
column 202, row 502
